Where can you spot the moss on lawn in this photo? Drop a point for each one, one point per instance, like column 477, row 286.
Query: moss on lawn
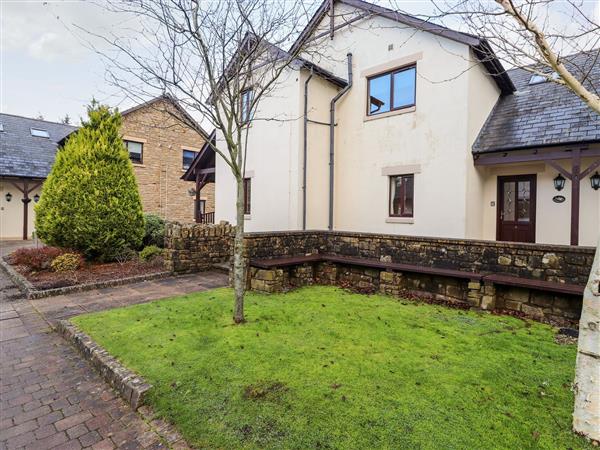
column 323, row 368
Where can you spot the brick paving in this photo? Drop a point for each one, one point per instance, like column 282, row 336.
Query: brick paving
column 49, row 396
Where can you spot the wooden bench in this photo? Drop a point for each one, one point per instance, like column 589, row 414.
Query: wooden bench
column 547, row 286
column 273, row 263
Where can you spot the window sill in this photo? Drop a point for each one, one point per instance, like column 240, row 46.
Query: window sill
column 397, row 112
column 247, row 217
column 138, row 164
column 408, row 220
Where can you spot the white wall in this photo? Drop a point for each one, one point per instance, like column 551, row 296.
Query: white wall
column 272, row 162
column 436, row 136
column 11, row 213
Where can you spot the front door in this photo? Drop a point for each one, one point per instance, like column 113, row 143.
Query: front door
column 516, row 208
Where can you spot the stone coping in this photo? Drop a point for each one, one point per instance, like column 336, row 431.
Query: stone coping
column 31, row 292
column 130, row 386
column 437, row 240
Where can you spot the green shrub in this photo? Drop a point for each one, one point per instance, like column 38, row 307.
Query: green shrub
column 67, row 262
column 150, row 252
column 90, row 201
column 154, row 233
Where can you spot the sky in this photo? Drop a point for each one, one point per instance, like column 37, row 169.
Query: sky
column 48, row 67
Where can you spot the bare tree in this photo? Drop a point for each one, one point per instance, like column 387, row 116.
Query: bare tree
column 558, row 40
column 219, row 59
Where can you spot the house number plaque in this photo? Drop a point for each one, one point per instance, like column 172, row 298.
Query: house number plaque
column 558, row 198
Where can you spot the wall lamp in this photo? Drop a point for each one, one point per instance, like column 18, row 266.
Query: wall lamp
column 8, row 196
column 595, row 181
column 36, row 198
column 559, row 182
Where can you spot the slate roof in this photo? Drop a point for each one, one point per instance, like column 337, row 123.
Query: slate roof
column 24, row 155
column 543, row 114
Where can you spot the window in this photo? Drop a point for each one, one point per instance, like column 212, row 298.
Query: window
column 246, row 104
column 136, row 151
column 392, row 90
column 538, row 79
column 40, row 133
column 247, row 194
column 402, row 195
column 188, row 158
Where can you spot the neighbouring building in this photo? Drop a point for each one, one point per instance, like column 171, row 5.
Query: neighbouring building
column 433, row 138
column 163, row 141
column 160, row 146
column 27, row 150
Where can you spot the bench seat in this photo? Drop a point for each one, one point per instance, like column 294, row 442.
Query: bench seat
column 548, row 286
column 362, row 262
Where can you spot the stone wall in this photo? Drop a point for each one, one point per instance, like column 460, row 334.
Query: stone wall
column 197, row 247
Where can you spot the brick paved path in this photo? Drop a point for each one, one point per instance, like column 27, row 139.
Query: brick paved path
column 49, row 396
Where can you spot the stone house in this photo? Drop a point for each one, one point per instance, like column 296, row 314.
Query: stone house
column 431, row 138
column 160, row 147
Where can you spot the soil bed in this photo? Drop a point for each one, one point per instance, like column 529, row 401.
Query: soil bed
column 88, row 273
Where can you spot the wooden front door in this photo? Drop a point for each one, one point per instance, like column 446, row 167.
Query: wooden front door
column 516, row 208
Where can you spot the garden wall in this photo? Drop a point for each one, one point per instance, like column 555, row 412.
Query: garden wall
column 195, row 247
column 561, row 264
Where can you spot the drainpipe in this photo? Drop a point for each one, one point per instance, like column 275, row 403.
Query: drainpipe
column 332, row 137
column 305, row 150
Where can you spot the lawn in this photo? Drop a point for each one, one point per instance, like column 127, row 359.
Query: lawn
column 323, row 368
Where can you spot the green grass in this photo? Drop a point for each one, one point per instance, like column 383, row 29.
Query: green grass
column 323, row 368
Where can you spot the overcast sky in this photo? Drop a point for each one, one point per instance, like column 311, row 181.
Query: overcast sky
column 46, row 67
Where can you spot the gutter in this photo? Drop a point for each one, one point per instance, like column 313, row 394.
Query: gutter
column 332, row 138
column 305, row 149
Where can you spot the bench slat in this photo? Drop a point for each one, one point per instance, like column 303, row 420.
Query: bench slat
column 551, row 286
column 285, row 262
column 402, row 267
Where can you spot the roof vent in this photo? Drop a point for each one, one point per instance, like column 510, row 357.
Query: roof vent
column 36, row 132
column 1, row 127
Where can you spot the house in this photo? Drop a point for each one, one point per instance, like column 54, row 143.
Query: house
column 163, row 140
column 430, row 136
column 27, row 150
column 160, row 146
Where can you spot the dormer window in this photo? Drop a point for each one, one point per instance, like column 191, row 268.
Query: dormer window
column 538, row 79
column 36, row 132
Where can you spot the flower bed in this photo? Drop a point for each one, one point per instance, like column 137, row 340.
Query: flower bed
column 37, row 266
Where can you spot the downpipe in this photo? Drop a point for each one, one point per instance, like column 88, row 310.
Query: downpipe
column 332, row 138
column 305, row 149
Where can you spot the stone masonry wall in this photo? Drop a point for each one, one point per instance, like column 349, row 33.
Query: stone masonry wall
column 563, row 264
column 159, row 180
column 197, row 247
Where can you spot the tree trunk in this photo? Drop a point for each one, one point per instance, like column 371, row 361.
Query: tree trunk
column 586, row 416
column 239, row 263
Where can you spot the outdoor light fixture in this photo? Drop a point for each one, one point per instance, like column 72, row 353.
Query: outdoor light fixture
column 559, row 182
column 595, row 181
column 36, row 198
column 191, row 192
column 8, row 196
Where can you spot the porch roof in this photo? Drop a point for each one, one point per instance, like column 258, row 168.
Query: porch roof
column 203, row 163
column 543, row 114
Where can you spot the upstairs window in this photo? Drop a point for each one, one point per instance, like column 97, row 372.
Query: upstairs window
column 188, row 158
column 136, row 151
column 402, row 195
column 392, row 90
column 246, row 105
column 247, row 195
column 36, row 132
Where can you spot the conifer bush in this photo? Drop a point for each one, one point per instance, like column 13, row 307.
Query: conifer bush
column 90, row 201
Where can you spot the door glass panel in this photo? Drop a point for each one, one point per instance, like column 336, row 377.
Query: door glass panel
column 523, row 201
column 508, row 208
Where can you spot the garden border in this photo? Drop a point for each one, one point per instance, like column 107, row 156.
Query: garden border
column 32, row 293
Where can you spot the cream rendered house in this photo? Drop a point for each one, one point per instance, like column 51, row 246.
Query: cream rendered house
column 431, row 137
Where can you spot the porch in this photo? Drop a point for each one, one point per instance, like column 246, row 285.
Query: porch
column 547, row 195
